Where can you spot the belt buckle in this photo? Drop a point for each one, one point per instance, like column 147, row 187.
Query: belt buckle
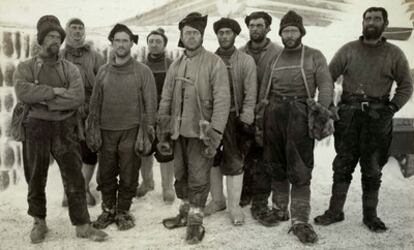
column 364, row 106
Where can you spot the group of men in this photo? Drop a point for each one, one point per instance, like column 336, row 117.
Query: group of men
column 242, row 113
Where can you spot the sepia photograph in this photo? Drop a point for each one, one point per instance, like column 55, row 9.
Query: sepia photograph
column 206, row 124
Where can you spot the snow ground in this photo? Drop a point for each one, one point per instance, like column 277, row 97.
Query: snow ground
column 395, row 208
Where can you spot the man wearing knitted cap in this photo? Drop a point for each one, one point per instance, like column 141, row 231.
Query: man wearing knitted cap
column 243, row 88
column 262, row 49
column 159, row 64
column 123, row 102
column 291, row 78
column 369, row 66
column 88, row 62
column 195, row 103
column 52, row 89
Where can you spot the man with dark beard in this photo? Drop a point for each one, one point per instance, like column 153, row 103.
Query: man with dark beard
column 295, row 73
column 243, row 88
column 195, row 105
column 256, row 182
column 88, row 62
column 369, row 67
column 124, row 100
column 159, row 63
column 52, row 88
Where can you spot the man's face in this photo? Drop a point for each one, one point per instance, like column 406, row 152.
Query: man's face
column 373, row 25
column 122, row 44
column 226, row 38
column 291, row 37
column 155, row 44
column 191, row 38
column 52, row 42
column 76, row 31
column 258, row 30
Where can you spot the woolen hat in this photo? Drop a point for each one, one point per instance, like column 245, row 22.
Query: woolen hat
column 227, row 23
column 122, row 28
column 292, row 19
column 46, row 24
column 161, row 32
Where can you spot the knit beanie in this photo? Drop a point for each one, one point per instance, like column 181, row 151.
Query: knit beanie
column 160, row 32
column 292, row 19
column 122, row 28
column 46, row 24
column 227, row 23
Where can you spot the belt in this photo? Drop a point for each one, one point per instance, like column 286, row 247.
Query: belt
column 364, row 105
column 287, row 98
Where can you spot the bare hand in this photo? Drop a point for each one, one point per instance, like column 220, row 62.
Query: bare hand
column 59, row 91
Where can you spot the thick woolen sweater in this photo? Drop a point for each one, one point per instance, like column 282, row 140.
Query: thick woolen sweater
column 371, row 70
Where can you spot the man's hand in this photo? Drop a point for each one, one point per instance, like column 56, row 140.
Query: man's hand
column 59, row 91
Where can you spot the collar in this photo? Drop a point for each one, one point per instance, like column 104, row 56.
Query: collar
column 259, row 50
column 196, row 52
column 226, row 53
column 379, row 43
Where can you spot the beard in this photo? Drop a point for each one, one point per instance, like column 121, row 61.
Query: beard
column 373, row 33
column 257, row 37
column 53, row 49
column 227, row 44
column 290, row 43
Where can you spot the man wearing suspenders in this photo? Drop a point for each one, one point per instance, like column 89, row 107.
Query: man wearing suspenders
column 243, row 88
column 293, row 75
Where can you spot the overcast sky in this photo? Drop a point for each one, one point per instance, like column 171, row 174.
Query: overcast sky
column 92, row 12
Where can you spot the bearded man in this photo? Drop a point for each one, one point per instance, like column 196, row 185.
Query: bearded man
column 363, row 134
column 295, row 73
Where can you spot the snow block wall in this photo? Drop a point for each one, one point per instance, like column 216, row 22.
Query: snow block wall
column 15, row 46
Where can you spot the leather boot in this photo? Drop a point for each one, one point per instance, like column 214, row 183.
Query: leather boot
column 93, row 234
column 336, row 205
column 39, row 230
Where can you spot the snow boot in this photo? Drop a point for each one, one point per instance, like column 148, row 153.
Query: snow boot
column 234, row 187
column 304, row 232
column 147, row 176
column 195, row 230
column 93, row 234
column 336, row 205
column 180, row 220
column 280, row 214
column 124, row 220
column 167, row 179
column 106, row 218
column 263, row 214
column 280, row 199
column 39, row 230
column 369, row 207
column 218, row 201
